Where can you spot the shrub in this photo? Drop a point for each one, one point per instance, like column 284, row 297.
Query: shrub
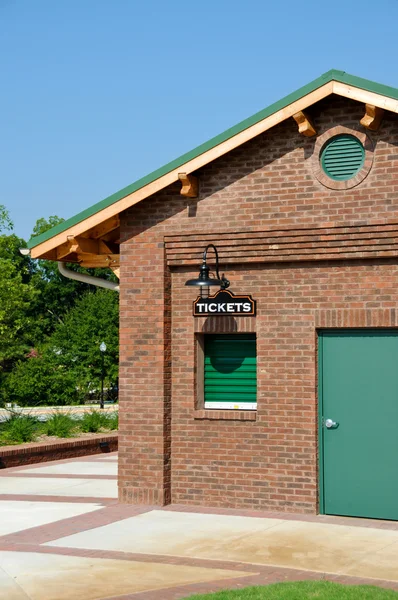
column 93, row 421
column 59, row 424
column 40, row 381
column 18, row 429
column 112, row 421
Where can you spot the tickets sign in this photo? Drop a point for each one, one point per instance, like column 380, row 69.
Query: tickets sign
column 225, row 304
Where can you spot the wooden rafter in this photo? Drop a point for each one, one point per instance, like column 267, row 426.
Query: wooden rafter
column 304, row 123
column 190, row 185
column 86, row 246
column 104, row 228
column 373, row 117
column 108, row 247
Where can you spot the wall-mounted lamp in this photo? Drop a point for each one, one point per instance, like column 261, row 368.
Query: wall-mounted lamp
column 204, row 281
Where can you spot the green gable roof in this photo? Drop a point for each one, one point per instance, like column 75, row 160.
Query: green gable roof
column 332, row 75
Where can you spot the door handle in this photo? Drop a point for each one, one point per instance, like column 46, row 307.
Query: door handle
column 330, row 424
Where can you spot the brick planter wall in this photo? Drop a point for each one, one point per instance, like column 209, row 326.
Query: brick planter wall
column 25, row 454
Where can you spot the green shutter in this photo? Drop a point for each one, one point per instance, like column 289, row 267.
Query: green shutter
column 230, row 376
column 342, row 157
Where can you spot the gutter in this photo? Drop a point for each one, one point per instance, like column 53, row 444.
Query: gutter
column 97, row 281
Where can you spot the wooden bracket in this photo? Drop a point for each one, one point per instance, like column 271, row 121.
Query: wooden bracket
column 304, row 124
column 372, row 118
column 77, row 245
column 116, row 270
column 190, row 185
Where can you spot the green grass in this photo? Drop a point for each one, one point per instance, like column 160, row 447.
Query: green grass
column 18, row 429
column 60, row 425
column 303, row 590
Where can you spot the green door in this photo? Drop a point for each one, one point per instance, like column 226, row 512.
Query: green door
column 359, row 393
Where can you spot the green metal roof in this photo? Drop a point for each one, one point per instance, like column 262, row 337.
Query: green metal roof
column 332, row 75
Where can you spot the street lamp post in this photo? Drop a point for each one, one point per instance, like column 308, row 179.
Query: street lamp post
column 103, row 350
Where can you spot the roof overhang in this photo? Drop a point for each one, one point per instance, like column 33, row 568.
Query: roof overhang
column 91, row 238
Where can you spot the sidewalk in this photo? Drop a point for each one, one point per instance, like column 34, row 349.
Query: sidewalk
column 63, row 535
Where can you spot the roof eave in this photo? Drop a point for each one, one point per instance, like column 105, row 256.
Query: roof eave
column 331, row 82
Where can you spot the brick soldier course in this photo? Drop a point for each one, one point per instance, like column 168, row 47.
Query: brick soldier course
column 313, row 252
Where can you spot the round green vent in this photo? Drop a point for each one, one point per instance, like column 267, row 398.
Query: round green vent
column 342, row 157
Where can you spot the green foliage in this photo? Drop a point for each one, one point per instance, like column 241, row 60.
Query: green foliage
column 93, row 421
column 51, row 327
column 112, row 421
column 5, row 219
column 75, row 343
column 60, row 425
column 57, row 293
column 18, row 429
column 42, row 225
column 17, row 324
column 303, row 590
column 10, row 246
column 39, row 380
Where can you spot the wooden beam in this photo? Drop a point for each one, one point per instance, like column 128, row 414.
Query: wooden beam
column 360, row 95
column 95, row 220
column 108, row 247
column 82, row 245
column 87, row 245
column 103, row 228
column 190, row 185
column 77, row 245
column 98, row 260
column 373, row 117
column 305, row 125
column 116, row 270
column 69, row 247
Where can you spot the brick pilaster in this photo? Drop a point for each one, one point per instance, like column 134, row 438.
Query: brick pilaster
column 145, row 411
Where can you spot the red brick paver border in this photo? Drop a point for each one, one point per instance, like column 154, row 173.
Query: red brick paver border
column 109, row 511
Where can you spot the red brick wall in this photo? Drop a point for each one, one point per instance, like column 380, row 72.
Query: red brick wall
column 31, row 453
column 171, row 449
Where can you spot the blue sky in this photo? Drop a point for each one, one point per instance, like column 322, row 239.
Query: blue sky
column 97, row 93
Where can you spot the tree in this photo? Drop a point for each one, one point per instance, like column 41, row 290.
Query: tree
column 51, row 327
column 10, row 246
column 42, row 225
column 16, row 321
column 5, row 219
column 67, row 368
column 93, row 319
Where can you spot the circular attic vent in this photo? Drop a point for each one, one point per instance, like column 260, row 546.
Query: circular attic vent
column 342, row 157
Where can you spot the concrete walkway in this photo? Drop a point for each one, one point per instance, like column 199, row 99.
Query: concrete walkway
column 63, row 535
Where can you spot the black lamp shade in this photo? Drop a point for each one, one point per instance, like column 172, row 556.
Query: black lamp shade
column 204, row 279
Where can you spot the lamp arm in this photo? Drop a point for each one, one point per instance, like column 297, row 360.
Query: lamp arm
column 205, row 257
column 225, row 282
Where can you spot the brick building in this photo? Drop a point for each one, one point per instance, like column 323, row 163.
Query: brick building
column 294, row 407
